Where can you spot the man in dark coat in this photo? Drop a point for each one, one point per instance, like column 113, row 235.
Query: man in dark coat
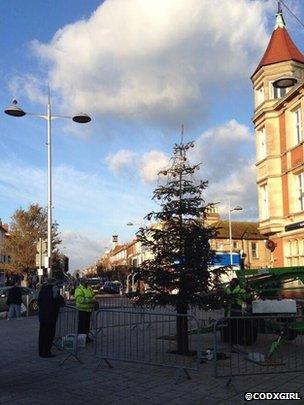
column 49, row 301
column 14, row 301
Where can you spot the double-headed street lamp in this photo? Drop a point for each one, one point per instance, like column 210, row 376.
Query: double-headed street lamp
column 236, row 208
column 16, row 111
column 134, row 224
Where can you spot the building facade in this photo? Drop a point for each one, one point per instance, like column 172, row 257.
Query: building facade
column 278, row 122
column 245, row 238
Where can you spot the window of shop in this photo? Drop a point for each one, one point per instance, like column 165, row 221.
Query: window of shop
column 254, row 250
column 294, row 252
column 219, row 245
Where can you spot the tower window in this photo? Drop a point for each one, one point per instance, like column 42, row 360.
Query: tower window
column 278, row 92
column 260, row 96
column 261, row 144
column 264, row 202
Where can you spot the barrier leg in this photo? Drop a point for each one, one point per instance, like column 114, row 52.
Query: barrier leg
column 180, row 373
column 231, row 383
column 106, row 360
column 71, row 355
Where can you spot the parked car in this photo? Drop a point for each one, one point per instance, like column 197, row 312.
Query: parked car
column 112, row 287
column 26, row 292
column 95, row 283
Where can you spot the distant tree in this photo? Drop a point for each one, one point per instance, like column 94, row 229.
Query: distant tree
column 178, row 273
column 25, row 229
column 104, row 265
column 60, row 266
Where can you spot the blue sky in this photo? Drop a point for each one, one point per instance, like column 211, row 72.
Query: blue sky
column 140, row 68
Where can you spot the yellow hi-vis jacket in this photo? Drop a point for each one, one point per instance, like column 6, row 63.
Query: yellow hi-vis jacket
column 239, row 296
column 84, row 298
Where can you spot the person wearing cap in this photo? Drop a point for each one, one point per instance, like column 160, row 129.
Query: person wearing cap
column 49, row 301
column 85, row 302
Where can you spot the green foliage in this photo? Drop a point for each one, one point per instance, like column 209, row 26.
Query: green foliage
column 178, row 271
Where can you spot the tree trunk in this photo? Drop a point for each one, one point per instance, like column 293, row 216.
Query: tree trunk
column 182, row 329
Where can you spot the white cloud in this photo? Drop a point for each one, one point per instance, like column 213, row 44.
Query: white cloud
column 129, row 162
column 155, row 60
column 30, row 86
column 120, row 160
column 240, row 187
column 81, row 250
column 150, row 165
column 223, row 148
column 227, row 155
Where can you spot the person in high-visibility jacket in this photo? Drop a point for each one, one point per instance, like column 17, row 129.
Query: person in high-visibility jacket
column 85, row 302
column 237, row 296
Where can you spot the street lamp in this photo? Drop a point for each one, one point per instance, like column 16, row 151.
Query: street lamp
column 236, row 208
column 135, row 223
column 15, row 111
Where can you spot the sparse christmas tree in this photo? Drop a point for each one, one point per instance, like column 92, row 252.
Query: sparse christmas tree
column 178, row 273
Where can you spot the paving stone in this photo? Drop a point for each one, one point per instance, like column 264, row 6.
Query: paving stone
column 27, row 379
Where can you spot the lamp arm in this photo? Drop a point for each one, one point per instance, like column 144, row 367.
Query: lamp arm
column 45, row 117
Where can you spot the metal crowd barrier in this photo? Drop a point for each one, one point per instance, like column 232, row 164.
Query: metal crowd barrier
column 254, row 345
column 120, row 301
column 147, row 337
column 204, row 317
column 66, row 336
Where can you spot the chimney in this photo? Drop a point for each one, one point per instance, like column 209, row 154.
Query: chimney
column 212, row 216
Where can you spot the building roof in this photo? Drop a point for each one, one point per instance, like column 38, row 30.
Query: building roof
column 239, row 230
column 281, row 47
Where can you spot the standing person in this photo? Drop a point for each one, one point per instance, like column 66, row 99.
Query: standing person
column 49, row 301
column 77, row 280
column 85, row 301
column 14, row 301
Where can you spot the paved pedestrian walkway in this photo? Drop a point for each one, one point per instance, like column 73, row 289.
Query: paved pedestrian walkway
column 27, row 379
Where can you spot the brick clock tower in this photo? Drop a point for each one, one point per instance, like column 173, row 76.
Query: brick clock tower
column 278, row 122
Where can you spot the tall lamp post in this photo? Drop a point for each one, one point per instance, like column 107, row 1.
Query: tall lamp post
column 16, row 111
column 236, row 208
